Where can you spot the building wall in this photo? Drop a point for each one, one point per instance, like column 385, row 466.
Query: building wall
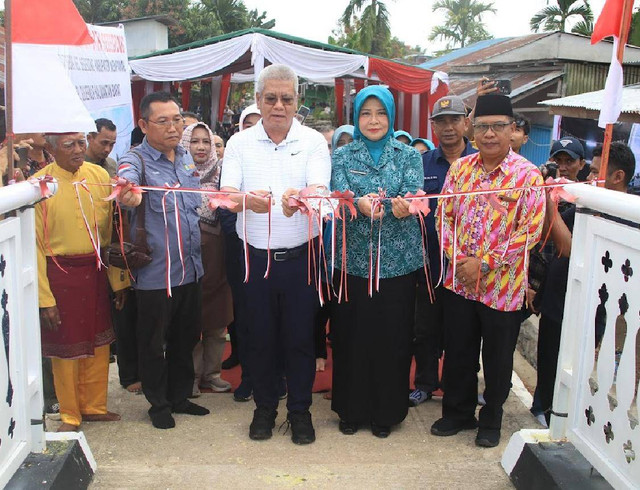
column 145, row 36
column 580, row 77
column 564, row 47
column 539, row 145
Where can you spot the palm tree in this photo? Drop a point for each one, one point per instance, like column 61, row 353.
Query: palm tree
column 554, row 17
column 374, row 30
column 463, row 24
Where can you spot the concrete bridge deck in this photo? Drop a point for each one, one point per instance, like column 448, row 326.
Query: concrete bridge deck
column 215, row 451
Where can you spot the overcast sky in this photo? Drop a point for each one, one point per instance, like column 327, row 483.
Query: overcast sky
column 411, row 20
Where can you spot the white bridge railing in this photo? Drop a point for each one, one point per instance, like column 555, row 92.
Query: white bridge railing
column 597, row 388
column 21, row 403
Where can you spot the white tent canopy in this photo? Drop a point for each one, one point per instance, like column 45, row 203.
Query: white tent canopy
column 312, row 64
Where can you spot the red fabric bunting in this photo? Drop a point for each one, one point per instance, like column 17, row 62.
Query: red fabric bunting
column 409, row 79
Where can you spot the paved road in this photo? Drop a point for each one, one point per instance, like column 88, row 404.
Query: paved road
column 216, row 452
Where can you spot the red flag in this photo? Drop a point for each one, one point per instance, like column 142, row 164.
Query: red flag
column 48, row 22
column 610, row 21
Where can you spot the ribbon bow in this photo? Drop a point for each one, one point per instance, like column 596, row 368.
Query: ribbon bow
column 219, row 200
column 300, row 201
column 345, row 200
column 558, row 192
column 41, row 182
column 120, row 183
column 492, row 200
column 418, row 205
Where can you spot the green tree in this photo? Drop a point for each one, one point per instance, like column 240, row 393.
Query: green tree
column 634, row 32
column 199, row 19
column 463, row 22
column 555, row 17
column 95, row 11
column 366, row 27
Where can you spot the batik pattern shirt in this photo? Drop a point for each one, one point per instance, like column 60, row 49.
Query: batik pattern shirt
column 470, row 226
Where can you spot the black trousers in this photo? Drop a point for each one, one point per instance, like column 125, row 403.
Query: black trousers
column 320, row 329
column 467, row 324
column 548, row 348
column 428, row 338
column 280, row 320
column 371, row 342
column 48, row 389
column 234, row 264
column 124, row 326
column 168, row 329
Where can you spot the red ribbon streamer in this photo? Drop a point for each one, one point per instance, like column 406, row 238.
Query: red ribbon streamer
column 419, row 207
column 95, row 240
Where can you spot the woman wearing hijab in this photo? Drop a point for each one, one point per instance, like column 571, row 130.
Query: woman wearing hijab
column 342, row 136
column 371, row 336
column 422, row 145
column 217, row 307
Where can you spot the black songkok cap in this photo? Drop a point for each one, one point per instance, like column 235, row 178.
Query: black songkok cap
column 493, row 105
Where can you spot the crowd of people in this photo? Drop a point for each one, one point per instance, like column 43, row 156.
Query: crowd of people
column 487, row 265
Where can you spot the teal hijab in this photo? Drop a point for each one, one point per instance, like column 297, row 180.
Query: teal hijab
column 386, row 99
column 344, row 129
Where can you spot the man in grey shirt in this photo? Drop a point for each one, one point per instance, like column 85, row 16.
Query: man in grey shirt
column 168, row 290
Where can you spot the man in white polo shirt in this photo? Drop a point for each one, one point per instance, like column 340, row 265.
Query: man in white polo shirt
column 278, row 157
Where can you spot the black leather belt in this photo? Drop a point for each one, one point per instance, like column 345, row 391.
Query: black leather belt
column 281, row 254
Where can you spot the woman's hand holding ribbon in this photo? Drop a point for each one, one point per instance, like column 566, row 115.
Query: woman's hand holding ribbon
column 400, row 207
column 365, row 203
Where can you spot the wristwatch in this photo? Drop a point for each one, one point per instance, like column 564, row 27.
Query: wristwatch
column 484, row 268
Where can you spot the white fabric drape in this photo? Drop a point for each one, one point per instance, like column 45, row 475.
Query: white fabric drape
column 309, row 63
column 193, row 63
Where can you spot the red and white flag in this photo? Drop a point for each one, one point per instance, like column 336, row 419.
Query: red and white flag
column 608, row 24
column 44, row 98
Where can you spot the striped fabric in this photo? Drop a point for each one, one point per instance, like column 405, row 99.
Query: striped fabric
column 253, row 162
column 470, row 227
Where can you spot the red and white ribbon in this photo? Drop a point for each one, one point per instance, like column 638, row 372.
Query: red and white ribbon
column 166, row 236
column 94, row 236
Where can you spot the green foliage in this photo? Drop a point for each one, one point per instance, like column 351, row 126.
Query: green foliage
column 554, row 17
column 463, row 23
column 364, row 26
column 197, row 19
column 634, row 33
column 94, row 11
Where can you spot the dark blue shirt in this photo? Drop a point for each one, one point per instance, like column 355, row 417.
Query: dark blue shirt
column 158, row 172
column 436, row 167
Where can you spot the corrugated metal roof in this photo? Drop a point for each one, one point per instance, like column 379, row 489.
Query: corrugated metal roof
column 593, row 100
column 521, row 83
column 457, row 53
column 482, row 51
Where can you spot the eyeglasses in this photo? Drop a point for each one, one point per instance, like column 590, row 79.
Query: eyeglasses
column 497, row 127
column 167, row 123
column 70, row 145
column 271, row 99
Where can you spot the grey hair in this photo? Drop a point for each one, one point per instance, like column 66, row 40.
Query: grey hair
column 52, row 139
column 277, row 72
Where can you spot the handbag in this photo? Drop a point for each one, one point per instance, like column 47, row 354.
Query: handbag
column 137, row 254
